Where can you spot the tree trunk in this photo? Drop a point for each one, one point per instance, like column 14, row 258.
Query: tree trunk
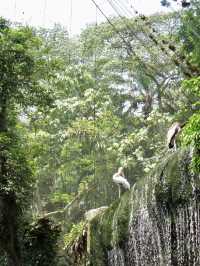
column 8, row 223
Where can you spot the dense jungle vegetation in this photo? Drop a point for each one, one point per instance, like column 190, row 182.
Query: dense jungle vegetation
column 72, row 110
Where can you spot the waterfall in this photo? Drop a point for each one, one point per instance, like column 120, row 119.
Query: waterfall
column 164, row 224
column 157, row 238
column 116, row 257
column 156, row 223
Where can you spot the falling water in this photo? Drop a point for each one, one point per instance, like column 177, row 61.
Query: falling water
column 116, row 257
column 157, row 238
column 158, row 235
column 164, row 239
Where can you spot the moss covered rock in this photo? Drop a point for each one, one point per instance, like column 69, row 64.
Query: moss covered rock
column 148, row 224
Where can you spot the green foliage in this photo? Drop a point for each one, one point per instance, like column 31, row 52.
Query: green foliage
column 174, row 185
column 23, row 74
column 60, row 198
column 106, row 112
column 189, row 33
column 191, row 137
column 40, row 243
column 110, row 108
column 120, row 222
column 17, row 174
column 191, row 88
column 101, row 235
column 191, row 132
column 73, row 235
column 21, row 67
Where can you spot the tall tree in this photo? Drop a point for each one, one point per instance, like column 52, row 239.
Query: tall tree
column 23, row 75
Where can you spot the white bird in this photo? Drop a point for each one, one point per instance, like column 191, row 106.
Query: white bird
column 172, row 134
column 119, row 179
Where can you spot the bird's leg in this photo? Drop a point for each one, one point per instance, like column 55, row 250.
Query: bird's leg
column 119, row 191
column 175, row 145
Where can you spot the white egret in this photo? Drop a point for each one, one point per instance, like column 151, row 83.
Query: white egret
column 119, row 179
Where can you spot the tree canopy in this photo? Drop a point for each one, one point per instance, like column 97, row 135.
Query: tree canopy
column 73, row 110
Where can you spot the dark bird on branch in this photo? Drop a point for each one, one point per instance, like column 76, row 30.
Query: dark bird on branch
column 185, row 3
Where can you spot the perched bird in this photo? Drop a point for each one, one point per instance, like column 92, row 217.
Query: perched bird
column 185, row 3
column 120, row 179
column 172, row 134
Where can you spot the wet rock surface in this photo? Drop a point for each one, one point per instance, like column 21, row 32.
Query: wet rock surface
column 156, row 223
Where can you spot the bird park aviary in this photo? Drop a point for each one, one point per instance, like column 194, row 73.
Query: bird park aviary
column 76, row 106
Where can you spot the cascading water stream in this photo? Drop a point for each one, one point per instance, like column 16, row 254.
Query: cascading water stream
column 165, row 239
column 162, row 235
column 116, row 257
